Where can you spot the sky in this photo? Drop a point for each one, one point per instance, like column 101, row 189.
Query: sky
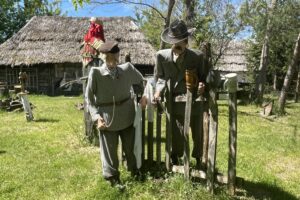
column 94, row 10
column 89, row 10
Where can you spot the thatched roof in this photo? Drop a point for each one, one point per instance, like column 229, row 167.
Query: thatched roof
column 55, row 39
column 234, row 58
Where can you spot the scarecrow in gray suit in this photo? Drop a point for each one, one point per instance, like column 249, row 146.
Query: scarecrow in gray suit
column 171, row 64
column 112, row 108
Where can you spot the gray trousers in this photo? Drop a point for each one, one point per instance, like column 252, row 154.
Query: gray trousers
column 109, row 151
column 178, row 138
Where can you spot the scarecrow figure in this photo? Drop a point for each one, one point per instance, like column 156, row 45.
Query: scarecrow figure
column 91, row 57
column 111, row 105
column 172, row 64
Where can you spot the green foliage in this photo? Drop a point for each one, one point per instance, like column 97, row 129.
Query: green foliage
column 218, row 23
column 285, row 26
column 151, row 24
column 15, row 13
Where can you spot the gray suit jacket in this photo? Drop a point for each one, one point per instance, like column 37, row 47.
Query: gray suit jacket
column 166, row 69
column 102, row 89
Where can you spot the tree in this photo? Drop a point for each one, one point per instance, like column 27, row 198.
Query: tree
column 261, row 78
column 289, row 75
column 217, row 22
column 15, row 13
column 280, row 39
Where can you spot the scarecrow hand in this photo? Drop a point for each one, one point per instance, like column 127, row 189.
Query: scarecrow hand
column 201, row 88
column 101, row 123
column 143, row 102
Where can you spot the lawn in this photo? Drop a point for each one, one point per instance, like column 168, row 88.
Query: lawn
column 49, row 158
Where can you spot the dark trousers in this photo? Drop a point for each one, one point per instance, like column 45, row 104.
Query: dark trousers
column 196, row 126
column 109, row 151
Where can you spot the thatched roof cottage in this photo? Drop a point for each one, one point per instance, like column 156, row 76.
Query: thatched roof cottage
column 234, row 60
column 48, row 49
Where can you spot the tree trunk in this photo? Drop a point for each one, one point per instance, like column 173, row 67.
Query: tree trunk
column 167, row 21
column 261, row 78
column 289, row 76
column 190, row 12
column 275, row 81
column 297, row 87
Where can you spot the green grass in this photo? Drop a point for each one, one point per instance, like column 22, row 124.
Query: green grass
column 49, row 158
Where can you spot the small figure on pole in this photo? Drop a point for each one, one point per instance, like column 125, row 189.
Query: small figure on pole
column 23, row 96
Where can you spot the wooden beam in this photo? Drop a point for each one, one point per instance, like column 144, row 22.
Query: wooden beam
column 150, row 143
column 143, row 136
column 186, row 152
column 212, row 144
column 158, row 138
column 218, row 177
column 169, row 125
column 232, row 142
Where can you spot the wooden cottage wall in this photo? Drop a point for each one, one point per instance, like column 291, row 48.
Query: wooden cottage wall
column 10, row 76
column 3, row 74
column 51, row 75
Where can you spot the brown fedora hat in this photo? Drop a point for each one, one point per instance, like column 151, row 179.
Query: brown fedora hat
column 176, row 32
column 109, row 47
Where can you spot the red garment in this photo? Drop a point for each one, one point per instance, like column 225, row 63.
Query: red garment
column 95, row 31
column 88, row 52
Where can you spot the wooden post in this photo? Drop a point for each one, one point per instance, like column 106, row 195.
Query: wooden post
column 169, row 126
column 143, row 136
column 23, row 96
column 158, row 138
column 232, row 142
column 212, row 144
column 191, row 83
column 231, row 85
column 187, row 116
column 205, row 134
column 26, row 106
column 150, row 143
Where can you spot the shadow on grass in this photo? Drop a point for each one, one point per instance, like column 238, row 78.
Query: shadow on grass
column 46, row 120
column 263, row 191
column 2, row 152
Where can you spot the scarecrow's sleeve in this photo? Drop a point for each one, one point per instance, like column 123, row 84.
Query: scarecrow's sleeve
column 159, row 76
column 137, row 79
column 90, row 95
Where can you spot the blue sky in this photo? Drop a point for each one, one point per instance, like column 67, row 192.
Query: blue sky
column 93, row 10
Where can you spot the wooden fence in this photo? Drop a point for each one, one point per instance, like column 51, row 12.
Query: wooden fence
column 154, row 138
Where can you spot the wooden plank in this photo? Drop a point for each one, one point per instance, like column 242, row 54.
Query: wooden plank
column 169, row 126
column 26, row 106
column 186, row 152
column 232, row 142
column 150, row 143
column 158, row 138
column 220, row 178
column 143, row 136
column 212, row 144
column 205, row 135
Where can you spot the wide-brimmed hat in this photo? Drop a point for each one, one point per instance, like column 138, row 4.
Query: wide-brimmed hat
column 96, row 20
column 176, row 32
column 109, row 47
